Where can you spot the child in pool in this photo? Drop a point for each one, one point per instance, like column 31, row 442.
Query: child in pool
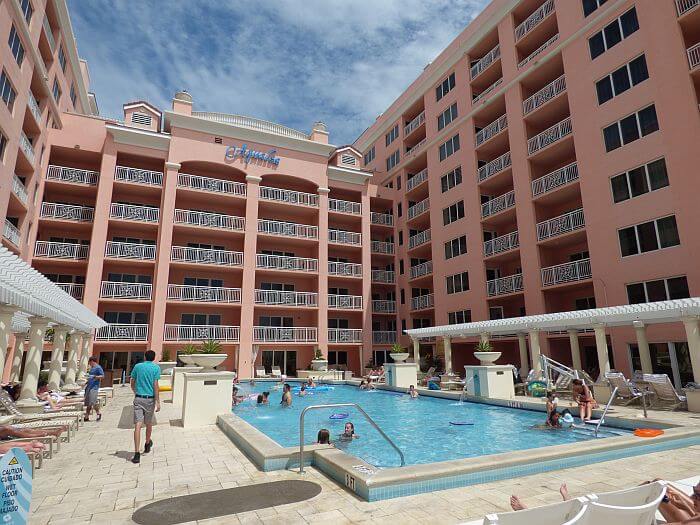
column 349, row 433
column 302, row 391
column 324, row 437
column 412, row 392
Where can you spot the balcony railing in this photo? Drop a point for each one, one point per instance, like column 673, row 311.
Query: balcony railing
column 418, row 208
column 287, row 229
column 195, row 182
column 532, row 21
column 422, row 302
column 345, row 206
column 19, row 189
column 567, row 272
column 209, row 220
column 130, row 250
column 26, row 147
column 75, row 175
column 286, row 298
column 418, row 179
column 383, row 337
column 382, row 219
column 383, row 307
column 76, row 291
column 544, row 95
column 497, row 165
column 121, row 290
column 122, row 332
column 549, row 136
column 274, row 334
column 203, row 294
column 49, row 33
column 565, row 223
column 491, row 130
column 382, row 247
column 538, row 51
column 130, row 212
column 187, row 254
column 683, row 6
column 419, row 270
column 34, row 107
column 11, row 233
column 345, row 302
column 694, row 56
column 344, row 237
column 498, row 204
column 288, row 196
column 344, row 269
column 414, row 124
column 344, row 335
column 61, row 250
column 414, row 149
column 553, row 180
column 201, row 332
column 383, row 276
column 280, row 262
column 484, row 62
column 419, row 239
column 66, row 212
column 500, row 244
column 505, row 285
column 138, row 176
column 486, row 91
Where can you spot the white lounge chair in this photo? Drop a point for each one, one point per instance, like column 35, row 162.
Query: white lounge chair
column 627, row 392
column 276, row 372
column 636, row 506
column 665, row 393
column 564, row 513
column 260, row 372
column 632, row 497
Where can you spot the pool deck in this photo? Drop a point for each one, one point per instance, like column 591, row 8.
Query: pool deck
column 92, row 481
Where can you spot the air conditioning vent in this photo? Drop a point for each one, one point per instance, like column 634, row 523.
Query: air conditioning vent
column 140, row 118
column 348, row 159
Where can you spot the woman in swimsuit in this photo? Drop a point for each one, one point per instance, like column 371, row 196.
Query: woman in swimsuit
column 584, row 397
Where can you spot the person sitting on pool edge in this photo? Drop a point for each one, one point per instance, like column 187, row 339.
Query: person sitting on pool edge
column 286, row 395
column 412, row 392
column 324, row 437
column 349, row 432
column 584, row 397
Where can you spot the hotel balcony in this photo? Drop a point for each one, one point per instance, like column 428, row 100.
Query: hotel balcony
column 491, row 130
column 274, row 334
column 49, row 34
column 694, row 56
column 683, row 6
column 418, row 179
column 344, row 335
column 286, row 298
column 505, row 285
column 186, row 254
column 72, row 175
column 485, row 92
column 382, row 219
column 343, row 269
column 122, row 290
column 122, row 332
column 130, row 250
column 344, row 302
column 66, row 212
column 568, row 222
column 26, row 147
column 383, row 276
column 130, row 212
column 420, row 270
column 201, row 332
column 383, row 337
column 498, row 204
column 416, row 147
column 414, row 124
column 203, row 294
column 494, row 167
column 532, row 21
column 484, row 62
column 11, row 233
column 288, row 196
column 281, row 262
column 544, row 95
column 549, row 136
column 138, row 176
column 381, row 247
column 76, row 291
column 61, row 250
column 19, row 190
column 340, row 206
column 33, row 106
column 344, row 237
column 419, row 239
column 501, row 244
column 287, row 229
column 209, row 220
column 208, row 184
column 422, row 302
column 418, row 209
column 383, row 307
column 555, row 179
column 538, row 51
column 566, row 273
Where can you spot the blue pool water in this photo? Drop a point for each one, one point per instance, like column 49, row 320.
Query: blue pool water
column 420, row 427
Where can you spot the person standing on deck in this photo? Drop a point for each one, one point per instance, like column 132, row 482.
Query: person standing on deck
column 92, row 388
column 144, row 383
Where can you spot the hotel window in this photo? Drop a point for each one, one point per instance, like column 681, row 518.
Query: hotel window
column 584, row 303
column 16, row 46
column 128, row 278
column 449, row 147
column 658, row 290
column 403, row 299
column 337, row 357
column 369, row 156
column 640, row 180
column 453, row 213
column 401, row 267
column 392, row 135
column 62, row 59
column 200, row 319
column 7, row 92
column 496, row 312
column 203, row 281
column 459, row 317
column 392, row 160
column 622, row 79
column 445, row 87
column 126, row 317
column 276, row 321
column 27, row 10
column 73, row 96
column 447, row 116
column 398, row 182
column 403, row 326
column 56, row 90
column 613, row 33
column 3, row 146
column 451, row 179
column 456, row 247
column 457, row 283
column 649, row 236
column 631, row 128
column 400, row 237
column 421, row 323
column 399, row 209
column 591, row 5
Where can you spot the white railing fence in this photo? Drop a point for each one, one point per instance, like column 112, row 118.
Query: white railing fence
column 183, row 332
column 564, row 223
column 544, row 95
column 209, row 220
column 501, row 244
column 505, row 285
column 553, row 180
column 345, row 269
column 61, row 250
column 418, row 179
column 342, row 206
column 549, row 136
column 188, row 254
column 484, row 62
column 288, row 196
column 567, row 272
column 280, row 262
column 66, row 212
column 130, row 250
column 344, row 335
column 534, row 19
column 287, row 298
column 196, row 182
column 270, row 334
column 121, row 290
column 122, row 332
column 421, row 269
column 491, row 130
column 138, row 176
column 131, row 212
column 203, row 294
column 345, row 302
column 287, row 229
column 65, row 174
column 498, row 204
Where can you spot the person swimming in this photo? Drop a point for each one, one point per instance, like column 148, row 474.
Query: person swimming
column 553, row 421
column 286, row 396
column 310, row 383
column 365, row 385
column 412, row 392
column 302, row 391
column 323, row 437
column 349, row 432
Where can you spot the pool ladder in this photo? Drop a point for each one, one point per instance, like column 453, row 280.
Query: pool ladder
column 605, row 411
column 337, row 405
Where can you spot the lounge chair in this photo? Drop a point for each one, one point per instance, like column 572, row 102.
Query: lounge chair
column 10, row 407
column 634, row 506
column 563, row 513
column 276, row 372
column 260, row 372
column 35, row 460
column 627, row 392
column 632, row 497
column 424, row 378
column 664, row 392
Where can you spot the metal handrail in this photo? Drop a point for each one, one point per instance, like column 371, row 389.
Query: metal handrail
column 549, row 364
column 605, row 411
column 334, row 405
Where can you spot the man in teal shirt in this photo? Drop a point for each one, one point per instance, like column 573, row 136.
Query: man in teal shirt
column 144, row 383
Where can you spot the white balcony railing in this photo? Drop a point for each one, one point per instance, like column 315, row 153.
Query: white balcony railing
column 11, row 233
column 683, row 6
column 344, row 269
column 345, row 302
column 383, row 276
column 209, row 220
column 553, row 180
column 532, row 21
column 484, row 62
column 419, row 208
column 414, row 124
column 505, row 285
column 565, row 223
column 567, row 272
column 75, row 175
column 195, row 182
column 383, row 337
column 419, row 239
column 187, row 254
column 130, row 250
column 382, row 247
column 138, row 176
column 286, row 298
column 498, row 204
column 538, row 51
column 383, row 306
column 419, row 270
column 344, row 237
column 201, row 332
column 49, row 33
column 486, row 91
column 76, row 291
column 26, row 147
column 549, row 136
column 491, row 130
column 121, row 290
column 694, row 56
column 34, row 107
column 500, row 244
column 281, row 262
column 61, row 250
column 19, row 189
column 418, row 179
column 203, row 294
column 544, row 95
column 131, row 212
column 274, row 334
column 122, row 332
column 422, row 302
column 288, row 196
column 66, row 212
column 344, row 206
column 497, row 165
column 414, row 149
column 287, row 229
column 382, row 219
column 344, row 335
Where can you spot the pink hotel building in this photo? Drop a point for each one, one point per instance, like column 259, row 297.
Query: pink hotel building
column 541, row 163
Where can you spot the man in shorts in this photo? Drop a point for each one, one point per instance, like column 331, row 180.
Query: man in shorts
column 144, row 383
column 92, row 388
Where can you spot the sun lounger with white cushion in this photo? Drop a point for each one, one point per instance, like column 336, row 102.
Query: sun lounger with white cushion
column 627, row 392
column 276, row 371
column 635, row 506
column 260, row 372
column 564, row 513
column 665, row 393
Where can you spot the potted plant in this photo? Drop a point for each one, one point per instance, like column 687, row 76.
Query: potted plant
column 186, row 352
column 319, row 362
column 209, row 355
column 165, row 364
column 398, row 353
column 483, row 351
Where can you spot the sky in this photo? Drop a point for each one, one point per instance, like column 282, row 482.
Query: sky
column 289, row 61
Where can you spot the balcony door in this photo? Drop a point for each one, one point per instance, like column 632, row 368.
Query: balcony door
column 286, row 360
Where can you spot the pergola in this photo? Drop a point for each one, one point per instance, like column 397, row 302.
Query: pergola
column 638, row 316
column 29, row 305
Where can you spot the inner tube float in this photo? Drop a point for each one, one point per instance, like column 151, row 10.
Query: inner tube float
column 648, row 432
column 320, row 388
column 340, row 415
column 461, row 423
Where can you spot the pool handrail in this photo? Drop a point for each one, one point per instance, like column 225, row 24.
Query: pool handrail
column 605, row 411
column 335, row 405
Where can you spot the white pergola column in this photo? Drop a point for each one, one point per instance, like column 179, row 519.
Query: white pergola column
column 524, row 364
column 575, row 350
column 72, row 366
column 59, row 348
column 416, row 350
column 32, row 365
column 6, row 314
column 601, row 344
column 692, row 332
column 17, row 357
column 643, row 345
column 84, row 355
column 448, row 355
column 535, row 351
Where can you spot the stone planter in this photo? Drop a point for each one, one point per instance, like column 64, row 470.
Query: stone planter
column 166, row 367
column 399, row 357
column 187, row 359
column 320, row 365
column 693, row 400
column 208, row 361
column 487, row 358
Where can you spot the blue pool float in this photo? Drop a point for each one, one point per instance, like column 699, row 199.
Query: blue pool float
column 461, row 423
column 342, row 415
column 320, row 388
